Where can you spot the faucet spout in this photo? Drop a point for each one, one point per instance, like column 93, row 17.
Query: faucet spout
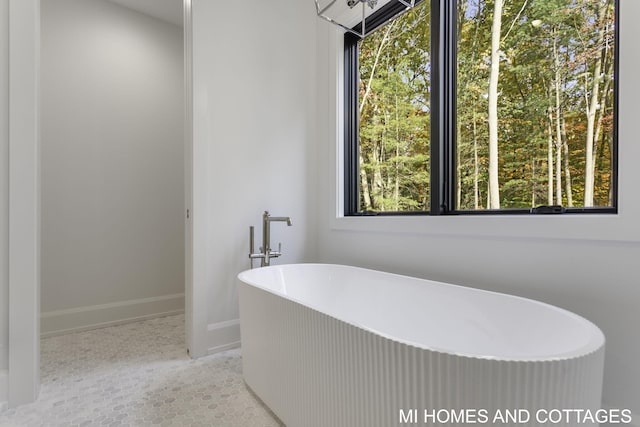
column 281, row 219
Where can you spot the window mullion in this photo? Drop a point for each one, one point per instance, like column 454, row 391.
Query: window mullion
column 443, row 97
column 351, row 128
column 436, row 163
column 449, row 171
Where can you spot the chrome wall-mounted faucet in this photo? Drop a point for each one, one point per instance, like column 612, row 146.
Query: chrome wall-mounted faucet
column 266, row 253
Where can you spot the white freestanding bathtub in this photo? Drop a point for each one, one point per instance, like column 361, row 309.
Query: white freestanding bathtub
column 333, row 346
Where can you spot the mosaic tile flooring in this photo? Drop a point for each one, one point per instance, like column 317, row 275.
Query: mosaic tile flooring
column 138, row 375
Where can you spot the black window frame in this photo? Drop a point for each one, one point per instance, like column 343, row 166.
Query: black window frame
column 443, row 118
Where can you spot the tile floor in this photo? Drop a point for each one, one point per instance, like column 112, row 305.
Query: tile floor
column 138, row 375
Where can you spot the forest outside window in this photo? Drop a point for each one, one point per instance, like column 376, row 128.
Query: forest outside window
column 483, row 106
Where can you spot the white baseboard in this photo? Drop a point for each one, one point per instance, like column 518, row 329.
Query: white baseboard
column 223, row 347
column 4, row 398
column 79, row 319
column 223, row 336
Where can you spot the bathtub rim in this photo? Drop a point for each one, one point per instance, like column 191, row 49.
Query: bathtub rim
column 596, row 342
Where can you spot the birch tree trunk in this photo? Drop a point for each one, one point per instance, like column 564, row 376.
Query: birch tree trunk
column 494, row 184
column 396, row 187
column 375, row 65
column 558, row 172
column 557, row 88
column 458, row 177
column 567, row 172
column 533, row 181
column 364, row 180
column 377, row 190
column 592, row 108
column 364, row 184
column 602, row 112
column 476, row 166
column 550, row 159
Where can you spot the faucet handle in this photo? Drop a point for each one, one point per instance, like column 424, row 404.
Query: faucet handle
column 276, row 254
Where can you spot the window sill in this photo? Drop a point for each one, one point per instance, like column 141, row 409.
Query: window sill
column 599, row 228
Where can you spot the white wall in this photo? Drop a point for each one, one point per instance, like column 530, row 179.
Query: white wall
column 585, row 264
column 4, row 195
column 112, row 165
column 254, row 129
column 23, row 379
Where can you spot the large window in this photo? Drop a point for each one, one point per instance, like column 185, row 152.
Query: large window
column 483, row 106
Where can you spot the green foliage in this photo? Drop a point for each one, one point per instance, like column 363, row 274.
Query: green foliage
column 549, row 51
column 395, row 126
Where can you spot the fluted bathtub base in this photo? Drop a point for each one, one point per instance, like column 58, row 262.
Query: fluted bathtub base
column 311, row 369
